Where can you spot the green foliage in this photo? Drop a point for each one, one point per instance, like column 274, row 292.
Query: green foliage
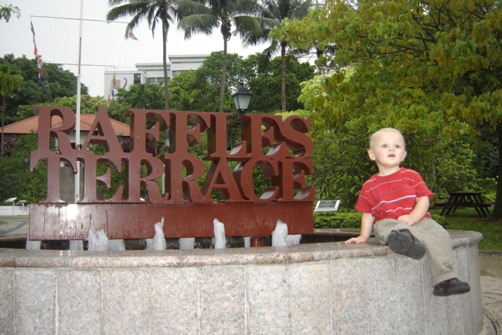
column 6, row 11
column 468, row 220
column 143, row 96
column 351, row 220
column 205, row 16
column 422, row 68
column 17, row 180
column 208, row 78
column 340, row 220
column 198, row 90
column 163, row 11
column 118, row 111
column 273, row 13
column 88, row 105
column 9, row 183
column 55, row 83
column 10, row 81
column 188, row 93
column 264, row 78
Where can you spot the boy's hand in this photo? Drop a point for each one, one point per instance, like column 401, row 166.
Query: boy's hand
column 366, row 226
column 357, row 240
column 406, row 219
column 418, row 213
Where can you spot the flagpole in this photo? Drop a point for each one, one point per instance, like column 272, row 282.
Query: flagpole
column 77, row 121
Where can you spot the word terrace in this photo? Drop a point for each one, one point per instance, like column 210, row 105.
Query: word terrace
column 279, row 148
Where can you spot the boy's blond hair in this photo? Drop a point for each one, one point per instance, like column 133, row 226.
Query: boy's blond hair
column 382, row 131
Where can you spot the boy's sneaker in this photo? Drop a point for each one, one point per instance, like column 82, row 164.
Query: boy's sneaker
column 404, row 243
column 451, row 286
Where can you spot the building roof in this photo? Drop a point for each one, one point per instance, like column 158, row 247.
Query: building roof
column 30, row 125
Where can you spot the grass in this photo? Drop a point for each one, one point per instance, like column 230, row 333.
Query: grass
column 467, row 219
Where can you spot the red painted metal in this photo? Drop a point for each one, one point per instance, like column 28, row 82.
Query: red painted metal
column 279, row 148
column 131, row 221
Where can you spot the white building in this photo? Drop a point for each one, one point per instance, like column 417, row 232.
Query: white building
column 149, row 73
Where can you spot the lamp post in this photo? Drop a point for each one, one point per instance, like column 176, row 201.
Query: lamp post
column 241, row 99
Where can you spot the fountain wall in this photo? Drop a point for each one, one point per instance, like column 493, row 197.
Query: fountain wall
column 318, row 288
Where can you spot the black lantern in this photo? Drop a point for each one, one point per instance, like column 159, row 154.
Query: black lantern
column 241, row 99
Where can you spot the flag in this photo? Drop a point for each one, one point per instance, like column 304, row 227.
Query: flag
column 38, row 57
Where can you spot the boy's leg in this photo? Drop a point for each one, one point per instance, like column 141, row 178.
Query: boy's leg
column 438, row 245
column 439, row 249
column 383, row 228
column 399, row 238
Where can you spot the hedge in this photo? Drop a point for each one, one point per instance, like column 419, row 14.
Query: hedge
column 349, row 220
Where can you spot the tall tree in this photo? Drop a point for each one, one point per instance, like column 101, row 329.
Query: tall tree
column 10, row 81
column 274, row 13
column 55, row 82
column 430, row 68
column 144, row 96
column 205, row 15
column 154, row 11
column 264, row 76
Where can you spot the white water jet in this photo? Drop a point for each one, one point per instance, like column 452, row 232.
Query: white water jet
column 76, row 245
column 293, row 239
column 280, row 234
column 97, row 239
column 187, row 243
column 118, row 245
column 158, row 242
column 220, row 241
column 32, row 245
column 280, row 237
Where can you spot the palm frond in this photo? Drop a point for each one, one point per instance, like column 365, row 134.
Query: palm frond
column 191, row 7
column 198, row 23
column 250, row 29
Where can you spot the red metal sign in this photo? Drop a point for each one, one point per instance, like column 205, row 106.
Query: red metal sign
column 276, row 149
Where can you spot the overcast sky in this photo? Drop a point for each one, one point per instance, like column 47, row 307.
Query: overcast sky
column 104, row 47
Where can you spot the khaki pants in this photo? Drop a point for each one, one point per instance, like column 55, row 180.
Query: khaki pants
column 435, row 239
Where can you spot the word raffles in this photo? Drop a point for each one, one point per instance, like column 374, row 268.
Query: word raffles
column 280, row 148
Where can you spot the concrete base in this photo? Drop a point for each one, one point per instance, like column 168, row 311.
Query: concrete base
column 324, row 288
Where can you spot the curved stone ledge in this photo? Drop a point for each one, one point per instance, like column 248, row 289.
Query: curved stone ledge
column 321, row 288
column 206, row 257
column 182, row 258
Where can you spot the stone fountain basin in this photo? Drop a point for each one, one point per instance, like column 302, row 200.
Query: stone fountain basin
column 313, row 288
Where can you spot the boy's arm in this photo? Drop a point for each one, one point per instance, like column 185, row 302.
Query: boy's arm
column 418, row 212
column 366, row 226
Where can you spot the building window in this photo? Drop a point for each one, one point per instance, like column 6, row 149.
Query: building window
column 137, row 78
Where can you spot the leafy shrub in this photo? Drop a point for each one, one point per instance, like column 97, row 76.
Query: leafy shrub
column 337, row 219
column 351, row 220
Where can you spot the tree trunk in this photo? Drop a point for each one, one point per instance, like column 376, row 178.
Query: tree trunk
column 223, row 74
column 497, row 209
column 283, row 76
column 164, row 60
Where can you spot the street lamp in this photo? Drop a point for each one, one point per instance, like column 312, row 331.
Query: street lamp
column 241, row 99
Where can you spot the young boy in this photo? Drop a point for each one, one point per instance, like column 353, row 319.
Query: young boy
column 395, row 202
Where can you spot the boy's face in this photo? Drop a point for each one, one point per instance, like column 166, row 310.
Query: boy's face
column 387, row 149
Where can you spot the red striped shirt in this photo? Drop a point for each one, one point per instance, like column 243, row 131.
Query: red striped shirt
column 389, row 197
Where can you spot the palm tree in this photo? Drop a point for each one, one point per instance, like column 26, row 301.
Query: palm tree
column 273, row 13
column 205, row 15
column 165, row 11
column 144, row 96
